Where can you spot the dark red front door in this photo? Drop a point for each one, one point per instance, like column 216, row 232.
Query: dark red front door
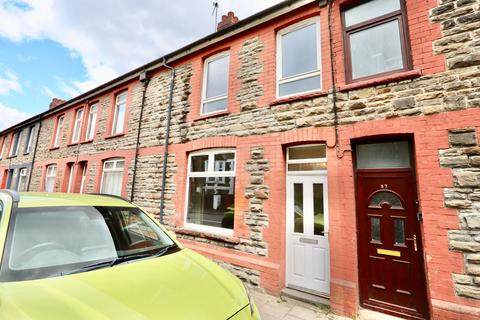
column 391, row 269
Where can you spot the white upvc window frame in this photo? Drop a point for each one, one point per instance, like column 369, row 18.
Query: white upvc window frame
column 204, row 83
column 209, row 173
column 115, row 161
column 15, row 143
column 77, row 125
column 306, row 161
column 70, row 176
column 58, row 131
column 12, row 144
column 31, row 133
column 3, row 147
column 51, row 173
column 91, row 121
column 22, row 173
column 318, row 72
column 115, row 128
column 84, row 176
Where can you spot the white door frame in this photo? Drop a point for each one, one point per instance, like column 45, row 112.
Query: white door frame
column 307, row 177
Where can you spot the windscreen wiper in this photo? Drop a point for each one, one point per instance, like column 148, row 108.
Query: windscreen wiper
column 110, row 263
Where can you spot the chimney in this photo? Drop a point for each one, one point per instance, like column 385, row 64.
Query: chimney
column 227, row 20
column 55, row 103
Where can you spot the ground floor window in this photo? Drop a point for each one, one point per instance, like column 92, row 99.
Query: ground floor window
column 211, row 190
column 112, row 180
column 50, row 178
column 22, row 180
column 83, row 166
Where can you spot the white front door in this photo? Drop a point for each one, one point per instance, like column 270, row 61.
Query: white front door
column 308, row 258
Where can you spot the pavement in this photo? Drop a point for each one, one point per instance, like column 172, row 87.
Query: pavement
column 275, row 308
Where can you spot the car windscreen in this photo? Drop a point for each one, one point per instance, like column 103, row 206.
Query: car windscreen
column 50, row 241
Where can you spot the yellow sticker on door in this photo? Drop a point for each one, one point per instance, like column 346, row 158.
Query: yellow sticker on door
column 392, row 253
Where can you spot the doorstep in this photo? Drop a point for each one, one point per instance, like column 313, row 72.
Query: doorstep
column 275, row 308
column 306, row 297
column 366, row 314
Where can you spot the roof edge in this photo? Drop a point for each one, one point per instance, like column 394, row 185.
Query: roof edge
column 239, row 27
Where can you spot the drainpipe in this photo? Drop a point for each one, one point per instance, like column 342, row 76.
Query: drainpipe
column 32, row 165
column 334, row 85
column 167, row 139
column 145, row 79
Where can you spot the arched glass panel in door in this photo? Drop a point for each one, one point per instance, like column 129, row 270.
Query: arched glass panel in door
column 388, row 198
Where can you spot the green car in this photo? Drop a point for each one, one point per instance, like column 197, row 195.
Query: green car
column 68, row 256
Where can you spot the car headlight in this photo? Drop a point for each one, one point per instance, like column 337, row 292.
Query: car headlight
column 250, row 304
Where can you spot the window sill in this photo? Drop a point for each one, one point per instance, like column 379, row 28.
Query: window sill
column 212, row 115
column 54, row 148
column 86, row 141
column 12, row 157
column 72, row 144
column 299, row 97
column 209, row 236
column 382, row 80
column 115, row 135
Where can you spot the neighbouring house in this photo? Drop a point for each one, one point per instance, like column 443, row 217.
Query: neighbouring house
column 329, row 147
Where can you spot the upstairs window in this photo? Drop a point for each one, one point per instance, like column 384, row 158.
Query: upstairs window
column 119, row 113
column 77, row 127
column 112, row 180
column 15, row 144
column 92, row 120
column 376, row 39
column 50, row 178
column 58, row 131
column 215, row 83
column 29, row 143
column 3, row 148
column 298, row 59
column 211, row 191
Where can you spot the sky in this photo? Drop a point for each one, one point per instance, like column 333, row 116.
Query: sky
column 62, row 48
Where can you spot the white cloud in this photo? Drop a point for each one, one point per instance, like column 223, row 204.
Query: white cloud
column 112, row 37
column 11, row 116
column 9, row 82
column 49, row 92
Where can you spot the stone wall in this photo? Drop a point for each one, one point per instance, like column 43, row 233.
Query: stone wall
column 463, row 156
column 250, row 69
column 247, row 275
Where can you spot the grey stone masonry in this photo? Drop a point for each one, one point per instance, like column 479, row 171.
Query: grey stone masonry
column 463, row 157
column 247, row 275
column 257, row 192
column 251, row 68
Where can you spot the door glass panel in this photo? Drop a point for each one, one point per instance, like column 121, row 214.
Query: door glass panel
column 375, row 222
column 308, row 152
column 318, row 210
column 385, row 197
column 383, row 155
column 298, row 207
column 307, row 166
column 399, row 231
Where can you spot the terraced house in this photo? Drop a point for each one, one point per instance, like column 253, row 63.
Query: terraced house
column 327, row 147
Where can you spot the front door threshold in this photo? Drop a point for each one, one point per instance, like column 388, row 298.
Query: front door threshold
column 366, row 314
column 307, row 297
